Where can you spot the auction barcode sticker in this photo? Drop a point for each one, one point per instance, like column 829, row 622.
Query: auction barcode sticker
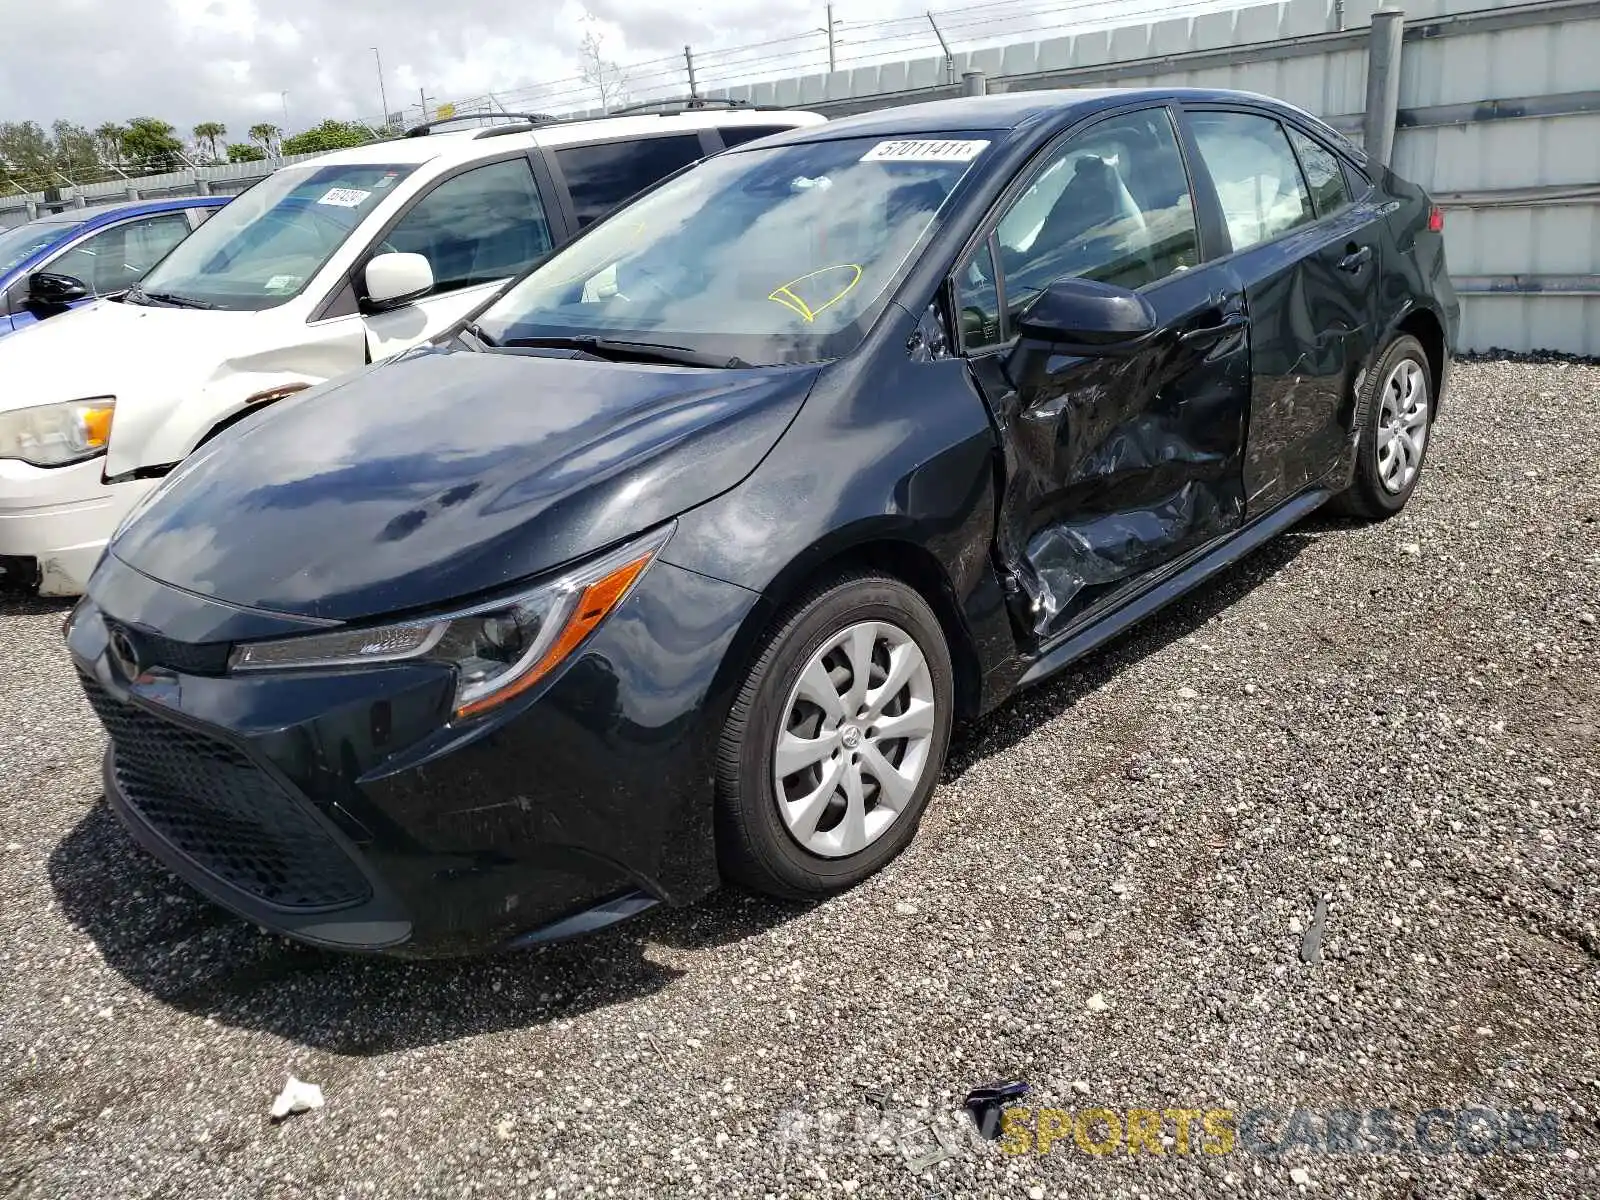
column 925, row 150
column 344, row 197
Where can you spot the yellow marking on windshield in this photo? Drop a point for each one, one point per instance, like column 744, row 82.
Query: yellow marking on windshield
column 786, row 296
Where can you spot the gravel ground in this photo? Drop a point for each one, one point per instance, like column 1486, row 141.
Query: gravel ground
column 1107, row 899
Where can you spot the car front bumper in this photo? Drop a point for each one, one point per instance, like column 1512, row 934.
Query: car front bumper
column 345, row 809
column 60, row 518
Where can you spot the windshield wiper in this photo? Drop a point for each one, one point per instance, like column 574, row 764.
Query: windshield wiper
column 139, row 296
column 624, row 351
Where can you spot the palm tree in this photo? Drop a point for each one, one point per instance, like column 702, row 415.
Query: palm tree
column 211, row 133
column 267, row 134
column 109, row 139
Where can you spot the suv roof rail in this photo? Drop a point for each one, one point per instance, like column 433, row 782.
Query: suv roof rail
column 525, row 120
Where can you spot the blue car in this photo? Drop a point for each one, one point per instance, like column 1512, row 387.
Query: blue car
column 85, row 253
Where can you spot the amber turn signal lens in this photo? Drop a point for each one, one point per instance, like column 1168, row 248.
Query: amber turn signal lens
column 97, row 426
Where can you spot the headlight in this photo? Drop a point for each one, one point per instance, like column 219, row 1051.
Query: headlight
column 499, row 650
column 53, row 435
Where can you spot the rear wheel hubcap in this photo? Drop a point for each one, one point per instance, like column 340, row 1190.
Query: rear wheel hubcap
column 855, row 739
column 1402, row 425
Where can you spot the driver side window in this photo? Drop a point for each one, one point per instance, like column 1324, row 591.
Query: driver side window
column 1113, row 205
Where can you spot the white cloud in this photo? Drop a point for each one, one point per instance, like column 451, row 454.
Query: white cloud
column 197, row 60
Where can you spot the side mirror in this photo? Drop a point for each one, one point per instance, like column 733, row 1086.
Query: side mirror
column 52, row 291
column 1088, row 318
column 395, row 279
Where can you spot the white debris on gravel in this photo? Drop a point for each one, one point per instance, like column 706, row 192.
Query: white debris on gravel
column 296, row 1097
column 1367, row 746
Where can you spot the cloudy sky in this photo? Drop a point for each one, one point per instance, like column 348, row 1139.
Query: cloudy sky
column 230, row 60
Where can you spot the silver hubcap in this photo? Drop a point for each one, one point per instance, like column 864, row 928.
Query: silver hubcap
column 1402, row 425
column 856, row 735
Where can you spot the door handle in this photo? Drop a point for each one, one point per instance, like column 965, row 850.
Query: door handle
column 1356, row 259
column 1214, row 333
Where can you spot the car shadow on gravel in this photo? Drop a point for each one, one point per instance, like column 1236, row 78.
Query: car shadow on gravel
column 1019, row 716
column 182, row 950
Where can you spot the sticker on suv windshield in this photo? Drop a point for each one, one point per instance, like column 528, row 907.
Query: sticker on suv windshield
column 925, row 150
column 344, row 197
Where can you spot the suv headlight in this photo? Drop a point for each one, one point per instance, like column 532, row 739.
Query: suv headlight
column 499, row 650
column 53, row 435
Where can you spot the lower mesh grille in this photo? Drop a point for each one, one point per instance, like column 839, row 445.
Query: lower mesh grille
column 224, row 812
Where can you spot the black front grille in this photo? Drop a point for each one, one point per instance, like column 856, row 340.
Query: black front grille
column 187, row 657
column 224, row 812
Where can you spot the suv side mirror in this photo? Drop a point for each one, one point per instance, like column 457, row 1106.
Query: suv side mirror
column 50, row 290
column 397, row 278
column 1088, row 318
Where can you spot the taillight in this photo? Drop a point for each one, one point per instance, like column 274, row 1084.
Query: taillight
column 1435, row 219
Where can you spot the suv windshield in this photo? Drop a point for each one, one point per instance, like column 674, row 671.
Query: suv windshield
column 20, row 244
column 261, row 249
column 768, row 255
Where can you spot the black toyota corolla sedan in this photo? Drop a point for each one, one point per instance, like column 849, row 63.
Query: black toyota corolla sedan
column 675, row 564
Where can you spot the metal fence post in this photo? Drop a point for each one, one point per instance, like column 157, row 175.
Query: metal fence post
column 78, row 200
column 1383, row 83
column 133, row 193
column 32, row 209
column 202, row 187
column 973, row 83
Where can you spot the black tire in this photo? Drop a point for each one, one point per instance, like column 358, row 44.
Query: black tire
column 754, row 844
column 1367, row 498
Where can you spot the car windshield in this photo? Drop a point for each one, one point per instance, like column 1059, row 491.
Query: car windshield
column 774, row 255
column 263, row 248
column 22, row 243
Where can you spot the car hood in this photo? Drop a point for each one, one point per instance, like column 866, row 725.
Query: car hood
column 153, row 360
column 447, row 473
column 109, row 348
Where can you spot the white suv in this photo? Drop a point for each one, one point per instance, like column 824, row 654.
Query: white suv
column 317, row 269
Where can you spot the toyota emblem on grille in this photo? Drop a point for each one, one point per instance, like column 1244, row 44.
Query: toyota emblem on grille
column 125, row 652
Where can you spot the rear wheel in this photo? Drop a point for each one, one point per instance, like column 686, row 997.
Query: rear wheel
column 1394, row 440
column 836, row 739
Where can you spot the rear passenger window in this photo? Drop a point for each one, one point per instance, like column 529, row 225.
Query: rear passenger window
column 476, row 227
column 738, row 135
column 602, row 177
column 1322, row 172
column 1257, row 177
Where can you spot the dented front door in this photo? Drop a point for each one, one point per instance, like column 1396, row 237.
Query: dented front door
column 1118, row 466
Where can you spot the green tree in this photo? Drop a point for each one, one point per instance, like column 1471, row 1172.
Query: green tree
column 108, row 138
column 210, row 134
column 152, row 145
column 244, row 152
column 330, row 135
column 266, row 134
column 27, row 154
column 77, row 155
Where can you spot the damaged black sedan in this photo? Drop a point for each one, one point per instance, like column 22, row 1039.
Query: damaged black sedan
column 676, row 564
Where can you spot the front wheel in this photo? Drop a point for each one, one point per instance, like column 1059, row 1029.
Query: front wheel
column 1394, row 438
column 836, row 740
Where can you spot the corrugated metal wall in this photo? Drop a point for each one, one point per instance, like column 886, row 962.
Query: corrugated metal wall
column 1467, row 70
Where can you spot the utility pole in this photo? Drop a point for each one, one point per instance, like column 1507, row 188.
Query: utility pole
column 949, row 59
column 284, row 96
column 833, row 63
column 688, row 57
column 383, row 95
column 422, row 94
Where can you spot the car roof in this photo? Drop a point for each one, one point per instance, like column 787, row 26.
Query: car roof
column 103, row 212
column 1007, row 110
column 466, row 144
